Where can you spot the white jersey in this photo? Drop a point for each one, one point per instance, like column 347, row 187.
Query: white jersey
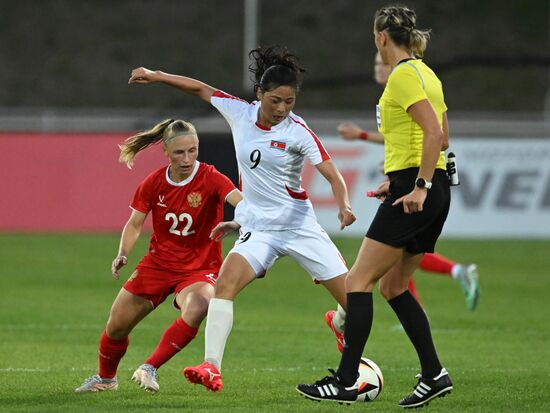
column 270, row 166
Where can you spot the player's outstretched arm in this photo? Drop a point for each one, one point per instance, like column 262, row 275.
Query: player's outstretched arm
column 130, row 235
column 185, row 84
column 351, row 131
column 340, row 191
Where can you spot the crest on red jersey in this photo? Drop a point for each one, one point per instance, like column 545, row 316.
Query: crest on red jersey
column 194, row 199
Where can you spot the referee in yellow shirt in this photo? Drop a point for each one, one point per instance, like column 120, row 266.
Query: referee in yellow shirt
column 412, row 117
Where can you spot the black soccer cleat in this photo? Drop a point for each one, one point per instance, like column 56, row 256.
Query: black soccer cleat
column 427, row 390
column 329, row 389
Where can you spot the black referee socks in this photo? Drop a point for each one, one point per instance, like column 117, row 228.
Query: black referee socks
column 356, row 332
column 416, row 325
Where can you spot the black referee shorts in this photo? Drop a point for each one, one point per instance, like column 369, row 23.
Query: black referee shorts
column 417, row 232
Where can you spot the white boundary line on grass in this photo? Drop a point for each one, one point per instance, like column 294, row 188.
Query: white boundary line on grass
column 98, row 327
column 256, row 329
column 253, row 370
column 91, row 369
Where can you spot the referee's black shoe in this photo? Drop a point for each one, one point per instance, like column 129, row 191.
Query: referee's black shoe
column 329, row 389
column 428, row 389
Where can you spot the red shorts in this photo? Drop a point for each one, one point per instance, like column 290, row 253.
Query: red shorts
column 155, row 284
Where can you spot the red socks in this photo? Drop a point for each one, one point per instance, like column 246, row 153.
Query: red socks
column 432, row 263
column 110, row 352
column 437, row 263
column 174, row 338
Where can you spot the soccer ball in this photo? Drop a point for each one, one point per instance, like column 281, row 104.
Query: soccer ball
column 370, row 380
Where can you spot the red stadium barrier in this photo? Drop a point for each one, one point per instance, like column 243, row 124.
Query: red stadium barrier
column 68, row 181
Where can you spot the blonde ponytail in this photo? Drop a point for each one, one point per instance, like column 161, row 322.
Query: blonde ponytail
column 164, row 131
column 419, row 42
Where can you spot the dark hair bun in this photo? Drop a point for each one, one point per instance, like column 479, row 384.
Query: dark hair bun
column 275, row 66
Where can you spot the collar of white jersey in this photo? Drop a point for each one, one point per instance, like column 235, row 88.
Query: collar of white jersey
column 254, row 119
column 186, row 180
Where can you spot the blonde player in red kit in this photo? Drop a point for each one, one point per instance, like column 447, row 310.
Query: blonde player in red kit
column 186, row 202
column 276, row 216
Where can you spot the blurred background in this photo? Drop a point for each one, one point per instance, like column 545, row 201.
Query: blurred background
column 65, row 102
column 65, row 105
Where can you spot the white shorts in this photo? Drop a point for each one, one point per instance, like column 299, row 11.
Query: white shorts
column 311, row 247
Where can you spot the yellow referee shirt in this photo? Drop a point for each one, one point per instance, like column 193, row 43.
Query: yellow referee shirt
column 410, row 81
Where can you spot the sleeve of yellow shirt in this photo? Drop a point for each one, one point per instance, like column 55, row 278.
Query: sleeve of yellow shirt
column 406, row 86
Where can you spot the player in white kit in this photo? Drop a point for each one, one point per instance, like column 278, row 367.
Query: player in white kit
column 276, row 217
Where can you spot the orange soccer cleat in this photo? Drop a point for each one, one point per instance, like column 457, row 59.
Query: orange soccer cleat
column 206, row 374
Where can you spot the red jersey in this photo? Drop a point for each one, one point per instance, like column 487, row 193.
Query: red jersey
column 184, row 214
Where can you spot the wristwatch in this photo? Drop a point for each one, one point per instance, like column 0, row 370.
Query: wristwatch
column 422, row 183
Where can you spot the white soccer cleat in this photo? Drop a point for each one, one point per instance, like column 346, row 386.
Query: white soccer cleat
column 96, row 383
column 146, row 376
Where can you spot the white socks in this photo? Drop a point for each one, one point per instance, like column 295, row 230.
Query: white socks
column 339, row 318
column 218, row 326
column 455, row 271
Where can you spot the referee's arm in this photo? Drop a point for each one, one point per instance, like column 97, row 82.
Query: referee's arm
column 423, row 113
column 445, row 144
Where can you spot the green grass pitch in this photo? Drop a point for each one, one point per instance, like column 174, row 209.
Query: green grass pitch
column 56, row 291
